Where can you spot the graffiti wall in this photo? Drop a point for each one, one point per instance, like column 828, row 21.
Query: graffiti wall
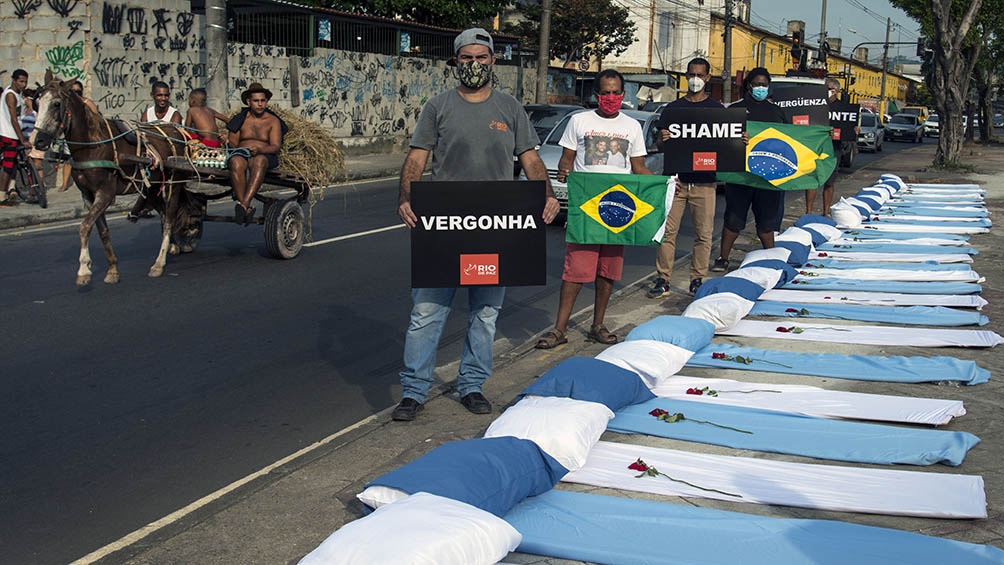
column 119, row 48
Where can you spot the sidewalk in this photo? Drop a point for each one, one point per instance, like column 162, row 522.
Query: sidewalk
column 283, row 512
column 70, row 206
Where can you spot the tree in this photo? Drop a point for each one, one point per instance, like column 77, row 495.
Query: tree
column 580, row 29
column 955, row 51
column 443, row 13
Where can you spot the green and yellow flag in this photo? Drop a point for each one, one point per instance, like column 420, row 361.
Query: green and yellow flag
column 786, row 157
column 616, row 208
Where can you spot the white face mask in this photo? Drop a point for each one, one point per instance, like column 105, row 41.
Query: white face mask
column 695, row 84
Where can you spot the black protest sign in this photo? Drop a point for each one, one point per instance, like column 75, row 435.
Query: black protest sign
column 478, row 234
column 705, row 139
column 804, row 105
column 843, row 120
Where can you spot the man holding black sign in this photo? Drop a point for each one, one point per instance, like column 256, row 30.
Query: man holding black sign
column 694, row 188
column 472, row 133
column 833, row 87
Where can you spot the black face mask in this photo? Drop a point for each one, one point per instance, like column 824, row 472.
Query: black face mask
column 474, row 74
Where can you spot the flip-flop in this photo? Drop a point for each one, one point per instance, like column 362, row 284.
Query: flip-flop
column 249, row 215
column 239, row 213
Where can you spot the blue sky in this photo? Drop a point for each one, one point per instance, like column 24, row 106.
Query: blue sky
column 865, row 17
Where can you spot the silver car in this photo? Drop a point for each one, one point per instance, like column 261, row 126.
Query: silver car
column 872, row 133
column 550, row 151
column 906, row 127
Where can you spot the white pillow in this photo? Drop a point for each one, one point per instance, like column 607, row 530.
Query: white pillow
column 797, row 235
column 564, row 428
column 423, row 529
column 856, row 201
column 892, row 180
column 762, row 254
column 826, row 230
column 723, row 309
column 654, row 361
column 378, row 495
column 763, row 276
column 845, row 215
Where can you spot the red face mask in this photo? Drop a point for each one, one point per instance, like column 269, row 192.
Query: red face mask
column 610, row 103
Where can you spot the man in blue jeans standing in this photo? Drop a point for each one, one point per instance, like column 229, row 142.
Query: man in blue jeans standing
column 472, row 133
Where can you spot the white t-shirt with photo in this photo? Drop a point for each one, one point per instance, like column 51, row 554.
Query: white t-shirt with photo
column 603, row 145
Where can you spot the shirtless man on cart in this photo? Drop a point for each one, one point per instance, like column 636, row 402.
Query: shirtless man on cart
column 257, row 135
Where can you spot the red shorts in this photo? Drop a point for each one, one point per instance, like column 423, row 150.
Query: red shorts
column 584, row 262
column 212, row 143
column 9, row 148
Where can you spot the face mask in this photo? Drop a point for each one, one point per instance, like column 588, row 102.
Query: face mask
column 610, row 103
column 474, row 74
column 759, row 93
column 695, row 84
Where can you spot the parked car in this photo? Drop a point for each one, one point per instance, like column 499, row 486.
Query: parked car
column 654, row 106
column 932, row 126
column 872, row 133
column 919, row 111
column 999, row 120
column 905, row 127
column 550, row 151
column 545, row 116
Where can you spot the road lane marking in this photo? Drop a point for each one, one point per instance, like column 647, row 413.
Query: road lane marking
column 152, row 527
column 353, row 235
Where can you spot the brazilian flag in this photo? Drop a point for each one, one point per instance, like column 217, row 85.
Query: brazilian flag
column 786, row 157
column 616, row 208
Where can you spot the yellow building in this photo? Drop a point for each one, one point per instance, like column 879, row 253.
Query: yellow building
column 754, row 47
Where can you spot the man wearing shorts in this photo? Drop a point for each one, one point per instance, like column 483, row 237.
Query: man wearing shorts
column 739, row 199
column 201, row 119
column 10, row 130
column 601, row 264
column 258, row 139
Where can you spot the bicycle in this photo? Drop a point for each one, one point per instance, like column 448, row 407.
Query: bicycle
column 27, row 182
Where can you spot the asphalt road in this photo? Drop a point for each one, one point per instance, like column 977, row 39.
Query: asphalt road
column 124, row 403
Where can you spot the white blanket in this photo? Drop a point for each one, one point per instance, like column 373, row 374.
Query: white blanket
column 874, row 298
column 891, row 226
column 879, row 274
column 892, row 257
column 928, row 218
column 865, row 335
column 914, row 241
column 760, row 481
column 814, row 401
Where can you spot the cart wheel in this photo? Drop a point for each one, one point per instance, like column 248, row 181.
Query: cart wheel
column 284, row 229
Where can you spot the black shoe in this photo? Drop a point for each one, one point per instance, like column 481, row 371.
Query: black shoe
column 406, row 410
column 695, row 284
column 721, row 265
column 132, row 217
column 659, row 288
column 476, row 403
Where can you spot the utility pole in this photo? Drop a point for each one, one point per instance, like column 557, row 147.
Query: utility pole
column 543, row 57
column 215, row 55
column 727, row 63
column 885, row 65
column 822, row 30
column 651, row 31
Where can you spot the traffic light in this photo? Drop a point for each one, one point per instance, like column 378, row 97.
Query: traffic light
column 797, row 37
column 921, row 48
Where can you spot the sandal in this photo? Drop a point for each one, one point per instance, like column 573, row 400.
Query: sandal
column 552, row 339
column 600, row 334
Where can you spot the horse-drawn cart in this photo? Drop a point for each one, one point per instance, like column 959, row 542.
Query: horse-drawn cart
column 282, row 195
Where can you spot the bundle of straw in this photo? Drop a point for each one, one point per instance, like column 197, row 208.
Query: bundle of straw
column 310, row 151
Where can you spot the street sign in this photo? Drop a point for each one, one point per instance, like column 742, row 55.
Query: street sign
column 584, row 65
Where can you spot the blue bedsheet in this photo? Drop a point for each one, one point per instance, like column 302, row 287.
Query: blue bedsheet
column 896, row 248
column 608, row 529
column 941, row 212
column 906, row 315
column 904, row 287
column 794, row 434
column 854, row 367
column 877, row 233
column 922, row 266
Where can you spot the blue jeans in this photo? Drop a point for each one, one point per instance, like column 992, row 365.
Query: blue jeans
column 428, row 316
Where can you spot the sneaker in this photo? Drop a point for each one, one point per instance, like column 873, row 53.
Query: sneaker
column 476, row 403
column 695, row 284
column 406, row 410
column 659, row 288
column 721, row 265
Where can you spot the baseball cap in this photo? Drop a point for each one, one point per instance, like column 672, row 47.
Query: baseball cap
column 473, row 36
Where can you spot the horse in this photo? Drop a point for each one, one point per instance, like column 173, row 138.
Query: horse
column 106, row 165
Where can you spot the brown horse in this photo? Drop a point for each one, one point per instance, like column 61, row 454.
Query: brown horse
column 105, row 165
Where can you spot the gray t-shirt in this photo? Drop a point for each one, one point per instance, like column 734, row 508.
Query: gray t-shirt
column 473, row 141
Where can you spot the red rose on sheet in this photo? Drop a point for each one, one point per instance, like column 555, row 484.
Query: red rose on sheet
column 823, row 255
column 658, row 412
column 639, row 466
column 696, row 391
column 793, row 310
column 718, row 356
column 782, row 329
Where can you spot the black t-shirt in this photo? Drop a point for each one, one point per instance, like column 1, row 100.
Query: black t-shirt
column 691, row 178
column 765, row 111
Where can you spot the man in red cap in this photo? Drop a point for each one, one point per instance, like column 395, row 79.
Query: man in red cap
column 257, row 133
